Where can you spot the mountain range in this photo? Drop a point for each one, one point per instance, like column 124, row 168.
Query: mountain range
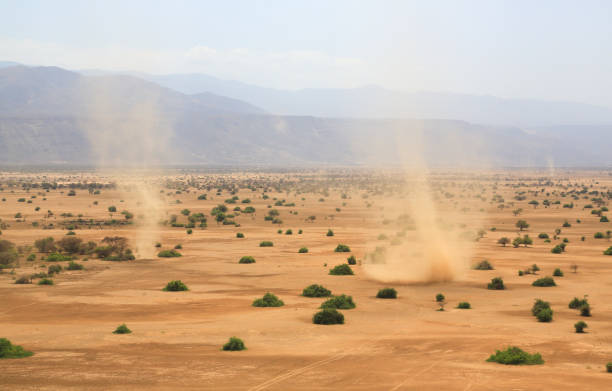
column 49, row 114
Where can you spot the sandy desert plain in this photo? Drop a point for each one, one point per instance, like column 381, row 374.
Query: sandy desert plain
column 384, row 344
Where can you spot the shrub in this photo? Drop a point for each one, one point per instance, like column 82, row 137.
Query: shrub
column 247, row 259
column 266, row 243
column 341, row 270
column 538, row 306
column 608, row 251
column 329, row 233
column 303, row 250
column 351, row 260
column 545, row 315
column 175, row 286
column 599, row 235
column 543, row 236
column 315, row 290
column 544, row 282
column 268, row 300
column 483, row 265
column 234, row 344
column 169, row 254
column 558, row 249
column 74, row 266
column 328, row 316
column 45, row 281
column 57, row 257
column 496, row 283
column 23, row 280
column 8, row 350
column 387, row 293
column 71, row 245
column 580, row 326
column 576, row 303
column 54, row 269
column 557, row 273
column 342, row 302
column 609, row 367
column 122, row 329
column 585, row 310
column 240, row 235
column 289, row 232
column 440, row 297
column 31, row 258
column 515, row 356
column 520, row 273
column 464, row 305
column 342, row 248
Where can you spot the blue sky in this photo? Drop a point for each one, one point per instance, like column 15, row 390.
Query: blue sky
column 541, row 49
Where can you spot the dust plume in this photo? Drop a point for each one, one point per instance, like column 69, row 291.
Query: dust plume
column 129, row 136
column 433, row 241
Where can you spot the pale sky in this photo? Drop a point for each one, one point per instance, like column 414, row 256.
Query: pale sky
column 540, row 49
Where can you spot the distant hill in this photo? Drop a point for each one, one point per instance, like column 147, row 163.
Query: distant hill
column 377, row 102
column 50, row 115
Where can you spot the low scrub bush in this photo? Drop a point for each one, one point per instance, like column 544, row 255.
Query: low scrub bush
column 54, row 269
column 544, row 282
column 57, row 257
column 545, row 315
column 496, row 283
column 558, row 273
column 247, row 259
column 483, row 265
column 175, row 286
column 266, row 243
column 315, row 290
column 351, row 260
column 23, row 280
column 464, row 305
column 8, row 350
column 74, row 266
column 240, row 235
column 580, row 326
column 45, row 281
column 387, row 293
column 169, row 254
column 234, row 344
column 342, row 248
column 328, row 316
column 341, row 270
column 576, row 303
column 122, row 329
column 515, row 356
column 303, row 250
column 342, row 302
column 268, row 300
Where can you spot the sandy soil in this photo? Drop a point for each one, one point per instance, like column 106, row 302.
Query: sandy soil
column 402, row 344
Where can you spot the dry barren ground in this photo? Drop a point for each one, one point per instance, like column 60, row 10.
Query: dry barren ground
column 402, row 344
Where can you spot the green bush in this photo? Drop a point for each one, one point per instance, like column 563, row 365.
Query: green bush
column 515, row 356
column 54, row 269
column 351, row 260
column 538, row 306
column 329, row 233
column 239, row 235
column 544, row 282
column 169, row 254
column 585, row 310
column 483, row 265
column 341, row 270
column 234, row 344
column 23, row 280
column 464, row 305
column 315, row 290
column 608, row 251
column 303, row 250
column 558, row 249
column 545, row 315
column 599, row 235
column 387, row 293
column 122, row 329
column 247, row 259
column 328, row 316
column 57, row 257
column 268, row 300
column 558, row 273
column 496, row 283
column 543, row 236
column 45, row 281
column 266, row 243
column 342, row 302
column 609, row 367
column 576, row 303
column 175, row 286
column 74, row 266
column 440, row 298
column 342, row 248
column 8, row 350
column 580, row 326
